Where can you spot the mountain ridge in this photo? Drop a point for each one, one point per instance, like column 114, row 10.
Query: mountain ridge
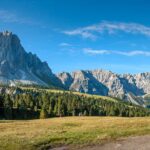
column 129, row 87
column 19, row 67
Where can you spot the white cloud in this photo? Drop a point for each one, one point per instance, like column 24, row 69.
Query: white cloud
column 125, row 53
column 96, row 52
column 83, row 33
column 133, row 53
column 110, row 28
column 65, row 44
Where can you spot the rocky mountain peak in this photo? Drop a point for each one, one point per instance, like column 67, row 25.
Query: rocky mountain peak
column 6, row 33
column 19, row 67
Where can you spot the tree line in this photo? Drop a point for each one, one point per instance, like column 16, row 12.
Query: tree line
column 42, row 104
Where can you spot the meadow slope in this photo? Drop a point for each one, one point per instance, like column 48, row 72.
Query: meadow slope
column 72, row 131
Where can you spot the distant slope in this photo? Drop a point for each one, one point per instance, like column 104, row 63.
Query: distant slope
column 76, row 93
column 31, row 103
column 105, row 98
column 23, row 89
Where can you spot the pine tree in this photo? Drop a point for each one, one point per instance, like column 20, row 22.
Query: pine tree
column 8, row 107
column 43, row 114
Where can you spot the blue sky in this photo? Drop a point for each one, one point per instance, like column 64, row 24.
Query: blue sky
column 82, row 34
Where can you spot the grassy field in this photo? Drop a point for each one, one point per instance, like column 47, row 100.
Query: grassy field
column 73, row 131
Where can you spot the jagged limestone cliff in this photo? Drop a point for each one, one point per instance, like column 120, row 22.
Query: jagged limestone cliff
column 19, row 67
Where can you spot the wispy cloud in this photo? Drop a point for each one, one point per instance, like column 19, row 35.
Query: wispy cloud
column 93, row 31
column 82, row 32
column 125, row 53
column 133, row 53
column 96, row 52
column 65, row 44
column 11, row 17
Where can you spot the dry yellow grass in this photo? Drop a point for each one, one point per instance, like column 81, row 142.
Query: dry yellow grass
column 41, row 134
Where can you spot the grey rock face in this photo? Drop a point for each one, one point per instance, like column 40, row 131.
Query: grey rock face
column 85, row 82
column 20, row 67
column 143, row 81
column 128, row 87
column 66, row 79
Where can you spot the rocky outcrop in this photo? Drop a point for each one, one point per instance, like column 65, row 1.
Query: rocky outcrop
column 128, row 87
column 19, row 67
column 84, row 81
column 142, row 81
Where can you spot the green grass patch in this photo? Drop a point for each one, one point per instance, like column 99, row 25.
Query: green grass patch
column 76, row 131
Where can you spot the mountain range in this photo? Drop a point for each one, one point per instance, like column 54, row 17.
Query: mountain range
column 17, row 67
column 133, row 88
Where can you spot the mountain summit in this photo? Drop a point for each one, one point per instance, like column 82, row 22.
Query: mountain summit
column 19, row 67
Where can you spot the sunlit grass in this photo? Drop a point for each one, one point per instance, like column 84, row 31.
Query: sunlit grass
column 77, row 93
column 74, row 131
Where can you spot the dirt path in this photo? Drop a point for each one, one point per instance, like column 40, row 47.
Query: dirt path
column 131, row 143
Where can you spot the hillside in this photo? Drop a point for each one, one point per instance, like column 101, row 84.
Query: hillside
column 31, row 103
